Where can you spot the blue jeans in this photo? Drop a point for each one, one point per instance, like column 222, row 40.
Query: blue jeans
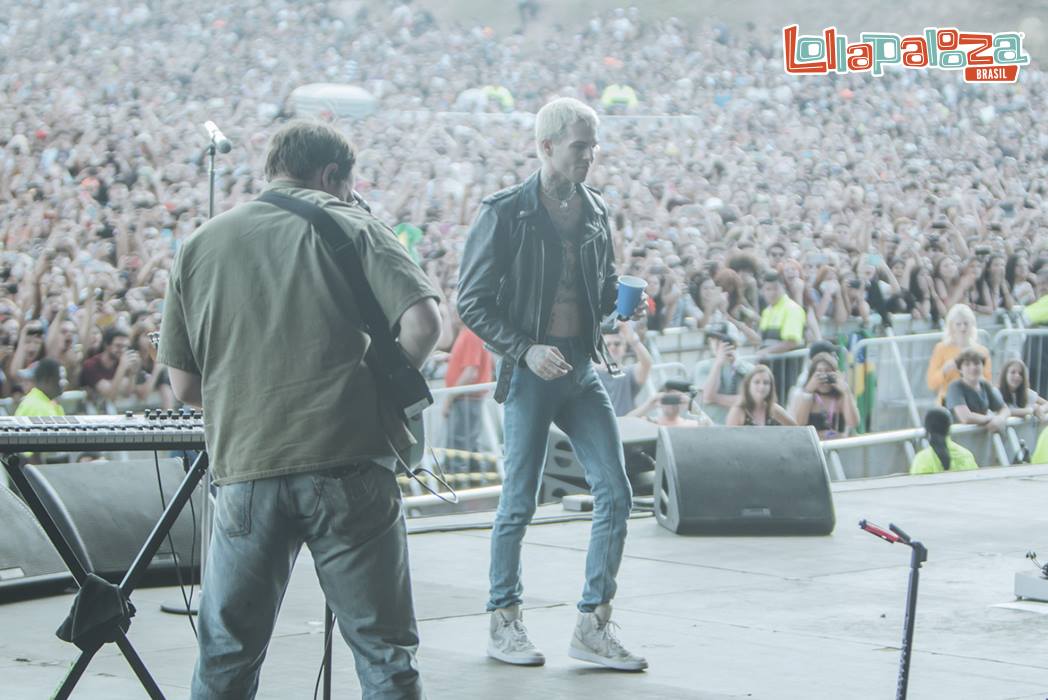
column 351, row 519
column 579, row 405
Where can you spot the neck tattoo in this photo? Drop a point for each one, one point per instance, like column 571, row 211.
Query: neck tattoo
column 562, row 201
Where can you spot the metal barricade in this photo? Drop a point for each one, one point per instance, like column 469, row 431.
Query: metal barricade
column 1031, row 346
column 900, row 367
column 891, row 452
column 473, row 456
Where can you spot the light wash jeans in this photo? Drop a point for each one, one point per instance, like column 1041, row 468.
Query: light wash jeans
column 579, row 405
column 351, row 520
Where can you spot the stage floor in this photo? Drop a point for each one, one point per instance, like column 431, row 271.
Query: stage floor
column 717, row 617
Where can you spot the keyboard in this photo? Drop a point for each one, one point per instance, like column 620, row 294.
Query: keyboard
column 154, row 430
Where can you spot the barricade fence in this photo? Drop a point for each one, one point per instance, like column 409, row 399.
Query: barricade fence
column 887, row 374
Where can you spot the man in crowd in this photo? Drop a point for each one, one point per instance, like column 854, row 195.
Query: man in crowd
column 49, row 382
column 537, row 277
column 468, row 363
column 110, row 375
column 720, row 376
column 1037, row 312
column 974, row 400
column 320, row 474
column 782, row 321
column 674, row 406
column 623, row 388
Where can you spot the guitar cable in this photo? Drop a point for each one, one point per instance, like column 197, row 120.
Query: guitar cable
column 186, row 598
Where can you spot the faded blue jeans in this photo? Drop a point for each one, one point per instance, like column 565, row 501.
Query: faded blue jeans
column 579, row 405
column 351, row 520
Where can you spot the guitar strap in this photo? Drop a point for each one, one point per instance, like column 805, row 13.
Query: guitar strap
column 385, row 358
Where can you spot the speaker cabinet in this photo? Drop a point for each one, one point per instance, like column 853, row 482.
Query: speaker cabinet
column 563, row 473
column 106, row 510
column 742, row 481
column 28, row 563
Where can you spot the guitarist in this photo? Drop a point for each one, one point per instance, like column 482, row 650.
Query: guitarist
column 262, row 330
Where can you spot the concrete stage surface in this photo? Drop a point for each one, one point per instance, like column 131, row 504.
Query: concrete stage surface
column 717, row 617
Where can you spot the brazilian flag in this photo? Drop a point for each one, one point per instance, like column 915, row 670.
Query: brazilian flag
column 863, row 382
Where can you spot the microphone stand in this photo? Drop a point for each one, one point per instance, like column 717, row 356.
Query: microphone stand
column 192, row 607
column 918, row 555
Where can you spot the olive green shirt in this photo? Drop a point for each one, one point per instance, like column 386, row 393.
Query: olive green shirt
column 257, row 307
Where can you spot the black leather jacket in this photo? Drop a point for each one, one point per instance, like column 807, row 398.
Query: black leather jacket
column 512, row 264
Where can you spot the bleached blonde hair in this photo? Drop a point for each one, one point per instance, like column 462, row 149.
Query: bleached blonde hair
column 958, row 311
column 557, row 116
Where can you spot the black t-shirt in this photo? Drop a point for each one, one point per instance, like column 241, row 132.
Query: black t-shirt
column 985, row 399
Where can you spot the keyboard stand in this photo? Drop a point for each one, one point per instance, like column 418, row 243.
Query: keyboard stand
column 115, row 630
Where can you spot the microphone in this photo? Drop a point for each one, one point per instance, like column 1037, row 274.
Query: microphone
column 217, row 137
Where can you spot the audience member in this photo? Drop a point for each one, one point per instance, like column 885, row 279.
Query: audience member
column 826, row 401
column 757, row 403
column 942, row 453
column 972, row 399
column 674, row 409
column 961, row 333
column 783, row 319
column 1021, row 400
column 468, row 363
column 111, row 374
column 623, row 389
column 48, row 384
column 719, row 377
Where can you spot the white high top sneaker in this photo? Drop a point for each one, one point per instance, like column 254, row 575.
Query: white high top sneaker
column 508, row 640
column 594, row 640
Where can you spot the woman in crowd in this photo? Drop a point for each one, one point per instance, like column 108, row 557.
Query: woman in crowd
column 757, row 404
column 1017, row 277
column 734, row 286
column 959, row 334
column 856, row 292
column 827, row 402
column 926, row 303
column 980, row 298
column 950, row 285
column 1015, row 389
column 995, row 284
column 152, row 377
column 942, row 453
column 826, row 296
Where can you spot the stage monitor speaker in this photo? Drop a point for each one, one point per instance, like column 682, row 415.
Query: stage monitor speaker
column 28, row 563
column 742, row 481
column 563, row 474
column 107, row 510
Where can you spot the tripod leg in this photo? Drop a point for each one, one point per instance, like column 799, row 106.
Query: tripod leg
column 135, row 661
column 74, row 674
column 162, row 528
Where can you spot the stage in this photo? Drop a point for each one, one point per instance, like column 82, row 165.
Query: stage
column 717, row 617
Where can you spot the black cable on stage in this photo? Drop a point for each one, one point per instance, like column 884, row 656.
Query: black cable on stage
column 638, row 512
column 328, row 634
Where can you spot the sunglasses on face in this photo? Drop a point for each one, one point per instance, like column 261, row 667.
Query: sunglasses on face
column 35, row 331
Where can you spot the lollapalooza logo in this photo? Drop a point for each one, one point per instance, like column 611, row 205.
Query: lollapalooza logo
column 984, row 58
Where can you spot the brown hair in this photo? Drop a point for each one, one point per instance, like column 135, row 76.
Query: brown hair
column 1019, row 396
column 302, row 147
column 970, row 355
column 746, row 400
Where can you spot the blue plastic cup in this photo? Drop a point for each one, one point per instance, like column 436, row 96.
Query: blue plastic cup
column 630, row 290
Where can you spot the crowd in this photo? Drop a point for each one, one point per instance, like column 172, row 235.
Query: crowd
column 756, row 204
